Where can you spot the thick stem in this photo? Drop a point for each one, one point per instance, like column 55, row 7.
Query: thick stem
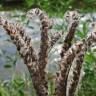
column 28, row 54
column 67, row 60
column 44, row 46
column 65, row 65
column 73, row 19
column 75, row 74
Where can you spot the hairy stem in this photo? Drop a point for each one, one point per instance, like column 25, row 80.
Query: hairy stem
column 65, row 65
column 75, row 74
column 27, row 52
column 73, row 20
column 44, row 46
column 67, row 60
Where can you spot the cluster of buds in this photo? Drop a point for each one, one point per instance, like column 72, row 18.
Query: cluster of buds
column 72, row 55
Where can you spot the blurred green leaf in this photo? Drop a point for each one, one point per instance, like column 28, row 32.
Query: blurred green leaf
column 7, row 66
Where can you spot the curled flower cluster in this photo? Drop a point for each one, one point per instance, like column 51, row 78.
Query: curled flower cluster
column 72, row 55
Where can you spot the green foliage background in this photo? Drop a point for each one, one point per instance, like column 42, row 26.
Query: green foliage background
column 57, row 7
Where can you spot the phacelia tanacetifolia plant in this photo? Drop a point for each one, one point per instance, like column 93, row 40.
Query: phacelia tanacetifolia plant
column 71, row 54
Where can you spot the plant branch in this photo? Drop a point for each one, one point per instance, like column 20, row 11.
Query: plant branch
column 75, row 74
column 66, row 62
column 73, row 18
column 78, row 61
column 55, row 37
column 27, row 52
column 65, row 65
column 44, row 46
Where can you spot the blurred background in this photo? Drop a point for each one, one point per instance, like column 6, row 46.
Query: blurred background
column 14, row 76
column 52, row 6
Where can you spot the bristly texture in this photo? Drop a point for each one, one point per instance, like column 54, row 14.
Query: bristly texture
column 65, row 65
column 74, row 74
column 78, row 61
column 24, row 46
column 71, row 53
column 44, row 46
column 72, row 17
column 27, row 52
column 55, row 37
